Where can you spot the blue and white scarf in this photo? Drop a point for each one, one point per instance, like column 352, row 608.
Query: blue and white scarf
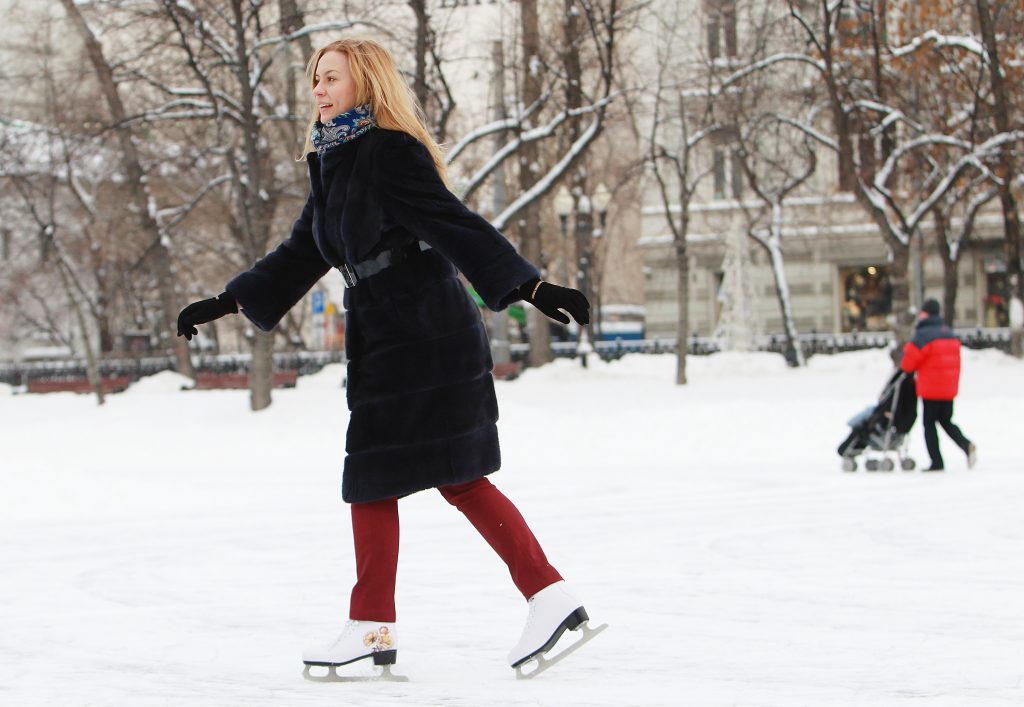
column 342, row 128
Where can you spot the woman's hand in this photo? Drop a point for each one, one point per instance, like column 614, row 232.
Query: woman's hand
column 204, row 311
column 549, row 299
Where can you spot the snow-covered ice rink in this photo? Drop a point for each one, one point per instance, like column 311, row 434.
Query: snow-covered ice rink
column 173, row 548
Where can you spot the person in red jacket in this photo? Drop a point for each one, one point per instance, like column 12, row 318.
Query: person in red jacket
column 934, row 355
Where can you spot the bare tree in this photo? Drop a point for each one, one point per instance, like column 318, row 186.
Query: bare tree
column 239, row 105
column 142, row 199
column 873, row 109
column 681, row 122
column 776, row 160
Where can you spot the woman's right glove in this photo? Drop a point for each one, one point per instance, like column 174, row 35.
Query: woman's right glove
column 550, row 298
column 204, row 311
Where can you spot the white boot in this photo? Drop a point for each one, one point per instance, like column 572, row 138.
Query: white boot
column 358, row 640
column 553, row 611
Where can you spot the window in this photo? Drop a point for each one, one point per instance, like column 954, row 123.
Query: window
column 721, row 19
column 997, row 291
column 866, row 298
column 728, row 173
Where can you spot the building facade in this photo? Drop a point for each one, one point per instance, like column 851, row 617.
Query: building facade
column 836, row 258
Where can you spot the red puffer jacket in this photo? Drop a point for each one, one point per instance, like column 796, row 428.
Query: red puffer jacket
column 934, row 354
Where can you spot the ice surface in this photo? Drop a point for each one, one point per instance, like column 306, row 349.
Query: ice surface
column 174, row 548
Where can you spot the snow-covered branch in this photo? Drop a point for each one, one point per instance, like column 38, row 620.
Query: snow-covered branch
column 170, row 217
column 815, row 135
column 892, row 115
column 986, row 149
column 938, row 40
column 308, row 30
column 767, row 62
column 495, row 127
column 530, row 136
column 883, row 174
column 553, row 175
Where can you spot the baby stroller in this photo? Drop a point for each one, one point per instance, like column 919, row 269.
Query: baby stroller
column 884, row 428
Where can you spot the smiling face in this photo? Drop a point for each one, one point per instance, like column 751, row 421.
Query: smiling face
column 333, row 88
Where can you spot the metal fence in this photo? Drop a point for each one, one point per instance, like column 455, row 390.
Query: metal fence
column 812, row 343
column 305, row 362
column 18, row 374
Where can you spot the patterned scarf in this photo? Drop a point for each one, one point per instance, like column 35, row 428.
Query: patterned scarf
column 342, row 128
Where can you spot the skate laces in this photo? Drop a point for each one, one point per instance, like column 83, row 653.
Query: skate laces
column 529, row 617
column 349, row 625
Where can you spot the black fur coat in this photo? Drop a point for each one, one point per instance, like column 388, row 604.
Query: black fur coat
column 420, row 390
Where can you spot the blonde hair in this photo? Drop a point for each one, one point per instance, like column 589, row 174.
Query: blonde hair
column 378, row 83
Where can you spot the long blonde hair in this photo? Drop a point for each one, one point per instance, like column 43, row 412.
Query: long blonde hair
column 378, row 83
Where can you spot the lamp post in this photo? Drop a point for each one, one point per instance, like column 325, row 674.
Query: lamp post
column 563, row 207
column 584, row 234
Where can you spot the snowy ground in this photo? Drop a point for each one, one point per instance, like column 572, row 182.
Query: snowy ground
column 172, row 548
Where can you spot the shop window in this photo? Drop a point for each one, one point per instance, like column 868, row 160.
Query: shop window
column 866, row 298
column 997, row 313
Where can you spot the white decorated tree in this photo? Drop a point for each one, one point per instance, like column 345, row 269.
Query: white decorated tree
column 738, row 324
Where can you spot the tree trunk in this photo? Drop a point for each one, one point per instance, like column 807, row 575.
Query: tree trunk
column 528, row 222
column 292, row 19
column 92, row 370
column 137, row 182
column 794, row 353
column 950, row 267
column 683, row 305
column 419, row 81
column 1011, row 218
column 500, row 348
column 261, row 370
column 903, row 324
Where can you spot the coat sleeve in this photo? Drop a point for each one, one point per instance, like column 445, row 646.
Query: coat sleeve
column 912, row 356
column 277, row 281
column 411, row 190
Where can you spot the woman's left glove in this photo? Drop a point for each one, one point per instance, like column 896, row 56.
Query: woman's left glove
column 550, row 298
column 204, row 311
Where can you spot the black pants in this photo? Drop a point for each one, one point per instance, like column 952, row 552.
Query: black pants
column 941, row 411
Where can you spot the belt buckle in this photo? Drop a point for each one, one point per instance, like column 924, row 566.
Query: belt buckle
column 349, row 274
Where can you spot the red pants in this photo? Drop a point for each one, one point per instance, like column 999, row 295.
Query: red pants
column 375, row 532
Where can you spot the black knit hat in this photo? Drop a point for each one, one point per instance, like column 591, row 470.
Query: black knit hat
column 931, row 306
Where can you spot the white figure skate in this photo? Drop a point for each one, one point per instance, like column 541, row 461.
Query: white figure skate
column 553, row 611
column 359, row 640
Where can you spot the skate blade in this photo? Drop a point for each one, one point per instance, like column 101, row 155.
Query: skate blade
column 544, row 662
column 332, row 676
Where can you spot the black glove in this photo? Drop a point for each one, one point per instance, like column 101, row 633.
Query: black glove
column 550, row 298
column 204, row 311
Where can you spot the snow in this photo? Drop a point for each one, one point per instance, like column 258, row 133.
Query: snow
column 174, row 548
column 162, row 383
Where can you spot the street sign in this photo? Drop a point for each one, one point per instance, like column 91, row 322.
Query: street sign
column 318, row 302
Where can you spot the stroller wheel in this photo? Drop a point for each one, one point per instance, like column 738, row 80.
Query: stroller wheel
column 871, row 465
column 849, row 464
column 908, row 464
column 887, row 465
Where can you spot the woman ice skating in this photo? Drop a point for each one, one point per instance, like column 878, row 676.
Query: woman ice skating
column 420, row 389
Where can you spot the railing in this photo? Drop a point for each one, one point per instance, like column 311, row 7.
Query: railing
column 304, row 362
column 811, row 343
column 301, row 362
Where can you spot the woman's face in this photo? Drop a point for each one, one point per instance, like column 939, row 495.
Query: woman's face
column 333, row 89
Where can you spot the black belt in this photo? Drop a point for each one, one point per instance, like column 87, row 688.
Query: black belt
column 353, row 273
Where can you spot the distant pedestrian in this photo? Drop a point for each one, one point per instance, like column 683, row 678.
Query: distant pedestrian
column 934, row 355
